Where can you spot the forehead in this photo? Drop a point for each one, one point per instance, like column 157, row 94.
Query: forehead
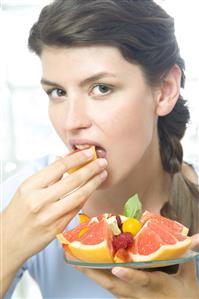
column 83, row 61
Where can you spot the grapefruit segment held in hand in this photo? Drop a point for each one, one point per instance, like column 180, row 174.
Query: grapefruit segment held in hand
column 73, row 169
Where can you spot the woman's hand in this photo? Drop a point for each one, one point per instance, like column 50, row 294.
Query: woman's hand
column 46, row 202
column 138, row 284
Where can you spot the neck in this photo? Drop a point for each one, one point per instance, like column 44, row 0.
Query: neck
column 148, row 179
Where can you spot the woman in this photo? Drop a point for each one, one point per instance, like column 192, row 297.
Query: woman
column 113, row 72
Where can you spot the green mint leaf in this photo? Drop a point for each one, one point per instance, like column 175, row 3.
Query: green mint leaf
column 133, row 207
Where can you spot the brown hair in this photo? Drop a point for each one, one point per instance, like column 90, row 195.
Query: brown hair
column 144, row 33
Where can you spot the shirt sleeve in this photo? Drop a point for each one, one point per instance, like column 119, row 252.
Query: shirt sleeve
column 195, row 164
column 13, row 285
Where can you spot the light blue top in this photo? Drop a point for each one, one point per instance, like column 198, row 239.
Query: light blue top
column 55, row 278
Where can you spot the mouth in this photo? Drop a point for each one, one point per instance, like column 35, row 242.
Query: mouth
column 82, row 145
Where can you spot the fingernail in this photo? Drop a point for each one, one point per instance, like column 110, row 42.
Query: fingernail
column 117, row 272
column 88, row 153
column 103, row 174
column 102, row 162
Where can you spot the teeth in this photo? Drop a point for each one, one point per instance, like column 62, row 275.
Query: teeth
column 82, row 146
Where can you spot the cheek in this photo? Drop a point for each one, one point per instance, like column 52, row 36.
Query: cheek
column 129, row 132
column 57, row 119
column 130, row 124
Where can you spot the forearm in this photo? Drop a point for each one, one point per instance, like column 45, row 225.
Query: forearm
column 10, row 262
column 6, row 277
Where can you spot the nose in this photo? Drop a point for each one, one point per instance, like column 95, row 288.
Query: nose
column 77, row 115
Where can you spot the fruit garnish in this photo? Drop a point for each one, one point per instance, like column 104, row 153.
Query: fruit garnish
column 124, row 240
column 131, row 225
column 73, row 169
column 113, row 224
column 119, row 222
column 133, row 207
column 83, row 217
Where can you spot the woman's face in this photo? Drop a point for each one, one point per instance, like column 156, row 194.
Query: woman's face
column 97, row 97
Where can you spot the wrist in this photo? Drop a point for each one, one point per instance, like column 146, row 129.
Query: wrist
column 11, row 254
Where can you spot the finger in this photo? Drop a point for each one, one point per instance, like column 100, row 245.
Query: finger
column 78, row 197
column 61, row 223
column 75, row 180
column 131, row 275
column 117, row 287
column 140, row 278
column 195, row 241
column 102, row 277
column 55, row 171
column 187, row 271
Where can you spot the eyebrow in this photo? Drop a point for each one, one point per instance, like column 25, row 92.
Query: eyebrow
column 50, row 83
column 82, row 83
column 97, row 77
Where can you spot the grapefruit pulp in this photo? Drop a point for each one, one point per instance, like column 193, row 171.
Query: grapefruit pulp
column 170, row 224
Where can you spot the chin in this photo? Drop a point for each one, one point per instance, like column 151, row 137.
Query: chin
column 105, row 185
column 108, row 183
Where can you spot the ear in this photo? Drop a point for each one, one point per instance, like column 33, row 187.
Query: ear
column 169, row 91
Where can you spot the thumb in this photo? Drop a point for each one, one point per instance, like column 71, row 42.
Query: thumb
column 187, row 271
column 195, row 241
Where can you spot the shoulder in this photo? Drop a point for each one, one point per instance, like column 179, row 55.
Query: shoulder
column 189, row 172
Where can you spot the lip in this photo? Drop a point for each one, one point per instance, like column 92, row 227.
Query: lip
column 74, row 142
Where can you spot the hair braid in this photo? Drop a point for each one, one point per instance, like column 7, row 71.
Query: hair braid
column 171, row 129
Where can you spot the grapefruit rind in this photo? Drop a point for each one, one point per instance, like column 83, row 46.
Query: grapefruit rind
column 60, row 237
column 73, row 169
column 98, row 253
column 166, row 252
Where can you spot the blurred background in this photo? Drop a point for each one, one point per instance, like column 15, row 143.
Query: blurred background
column 26, row 133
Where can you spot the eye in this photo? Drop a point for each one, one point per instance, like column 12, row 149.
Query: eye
column 100, row 89
column 56, row 93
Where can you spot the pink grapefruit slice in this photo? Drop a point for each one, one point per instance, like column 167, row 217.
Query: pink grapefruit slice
column 71, row 235
column 94, row 245
column 156, row 242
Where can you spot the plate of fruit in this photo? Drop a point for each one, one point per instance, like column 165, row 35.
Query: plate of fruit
column 134, row 239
